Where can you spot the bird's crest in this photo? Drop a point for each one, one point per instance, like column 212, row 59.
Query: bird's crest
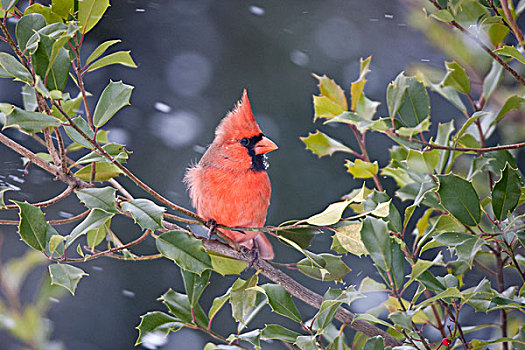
column 238, row 123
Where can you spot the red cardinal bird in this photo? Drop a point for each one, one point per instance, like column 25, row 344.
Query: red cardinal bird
column 229, row 184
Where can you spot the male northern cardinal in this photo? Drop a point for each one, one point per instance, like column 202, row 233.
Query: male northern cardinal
column 229, row 184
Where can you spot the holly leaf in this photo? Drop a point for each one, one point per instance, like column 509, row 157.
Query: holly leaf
column 66, row 275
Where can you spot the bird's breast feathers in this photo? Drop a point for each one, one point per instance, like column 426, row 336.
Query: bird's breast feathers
column 231, row 197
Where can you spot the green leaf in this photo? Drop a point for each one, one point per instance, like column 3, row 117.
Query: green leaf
column 51, row 60
column 29, row 98
column 218, row 303
column 361, row 169
column 99, row 198
column 16, row 269
column 96, row 236
column 357, row 86
column 492, row 79
column 115, row 96
column 513, row 102
column 456, row 78
column 252, row 337
column 195, row 284
column 54, row 242
column 384, row 251
column 278, row 332
column 3, row 189
column 146, row 213
column 226, row 265
column 103, row 172
column 409, row 99
column 375, row 237
column 8, row 4
column 349, row 237
column 46, row 11
column 372, row 319
column 331, row 215
column 66, row 276
column 306, row 342
column 63, row 8
column 14, row 69
column 332, row 300
column 323, row 145
column 90, row 12
column 375, row 343
column 156, row 322
column 120, row 57
column 466, row 245
column 94, row 220
column 443, row 16
column 332, row 100
column 243, row 298
column 301, row 236
column 352, row 118
column 460, row 199
column 511, row 51
column 469, row 122
column 281, row 302
column 423, row 162
column 33, row 228
column 26, row 27
column 76, row 136
column 452, row 292
column 30, row 122
column 327, row 267
column 179, row 306
column 99, row 51
column 186, row 251
column 506, row 192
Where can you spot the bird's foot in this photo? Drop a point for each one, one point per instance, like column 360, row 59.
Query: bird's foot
column 212, row 225
column 253, row 255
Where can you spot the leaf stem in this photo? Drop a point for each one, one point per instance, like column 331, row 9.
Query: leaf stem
column 360, row 137
column 511, row 22
column 460, row 149
column 48, row 202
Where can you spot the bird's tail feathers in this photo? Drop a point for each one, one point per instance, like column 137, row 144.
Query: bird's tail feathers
column 264, row 246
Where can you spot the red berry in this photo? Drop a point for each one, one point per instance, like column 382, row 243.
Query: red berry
column 445, row 341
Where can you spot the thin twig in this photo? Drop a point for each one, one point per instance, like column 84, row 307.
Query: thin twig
column 459, row 149
column 48, row 202
column 69, row 220
column 361, row 142
column 512, row 23
column 126, row 171
column 53, row 169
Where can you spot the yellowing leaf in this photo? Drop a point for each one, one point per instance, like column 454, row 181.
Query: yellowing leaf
column 349, row 237
column 357, row 86
column 361, row 169
column 331, row 101
column 323, row 145
column 326, row 108
column 330, row 215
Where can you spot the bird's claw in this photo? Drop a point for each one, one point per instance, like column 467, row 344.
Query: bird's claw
column 253, row 255
column 212, row 225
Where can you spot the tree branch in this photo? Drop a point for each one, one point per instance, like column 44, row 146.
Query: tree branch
column 512, row 23
column 297, row 290
column 69, row 179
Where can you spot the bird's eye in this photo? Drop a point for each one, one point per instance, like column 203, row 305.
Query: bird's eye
column 244, row 141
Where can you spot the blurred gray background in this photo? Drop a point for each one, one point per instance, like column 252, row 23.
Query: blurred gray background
column 194, row 59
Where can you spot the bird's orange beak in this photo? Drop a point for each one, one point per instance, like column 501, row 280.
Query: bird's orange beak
column 264, row 146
